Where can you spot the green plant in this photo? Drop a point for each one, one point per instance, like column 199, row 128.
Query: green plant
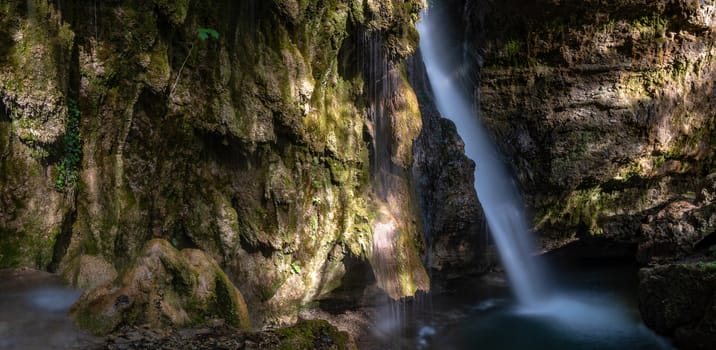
column 68, row 168
column 512, row 52
column 205, row 33
column 651, row 27
column 295, row 268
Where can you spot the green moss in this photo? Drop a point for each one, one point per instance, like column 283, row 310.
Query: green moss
column 227, row 305
column 651, row 27
column 98, row 323
column 340, row 172
column 175, row 10
column 707, row 266
column 10, row 254
column 581, row 208
column 68, row 168
column 183, row 276
column 30, row 246
column 314, row 334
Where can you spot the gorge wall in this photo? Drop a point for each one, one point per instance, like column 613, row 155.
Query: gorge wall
column 605, row 109
column 276, row 136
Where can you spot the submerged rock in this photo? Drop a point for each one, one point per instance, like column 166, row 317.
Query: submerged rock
column 163, row 288
column 679, row 301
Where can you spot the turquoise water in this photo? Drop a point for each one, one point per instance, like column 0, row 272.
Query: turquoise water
column 595, row 310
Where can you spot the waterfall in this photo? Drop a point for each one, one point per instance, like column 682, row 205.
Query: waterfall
column 496, row 188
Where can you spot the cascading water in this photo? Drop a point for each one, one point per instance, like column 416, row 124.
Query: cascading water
column 496, row 189
column 550, row 318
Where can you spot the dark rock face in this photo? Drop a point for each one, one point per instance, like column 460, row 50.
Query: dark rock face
column 679, row 300
column 453, row 221
column 604, row 108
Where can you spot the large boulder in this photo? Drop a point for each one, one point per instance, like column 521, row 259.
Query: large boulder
column 679, row 301
column 163, row 288
column 681, row 226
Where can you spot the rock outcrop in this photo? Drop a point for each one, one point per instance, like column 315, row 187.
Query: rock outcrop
column 679, row 300
column 245, row 129
column 604, row 108
column 453, row 221
column 163, row 288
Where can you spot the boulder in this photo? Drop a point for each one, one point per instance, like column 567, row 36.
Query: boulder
column 679, row 301
column 163, row 288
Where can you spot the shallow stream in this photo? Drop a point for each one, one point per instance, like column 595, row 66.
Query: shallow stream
column 34, row 309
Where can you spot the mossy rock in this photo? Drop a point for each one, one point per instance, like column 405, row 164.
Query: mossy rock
column 314, row 334
column 164, row 288
column 677, row 300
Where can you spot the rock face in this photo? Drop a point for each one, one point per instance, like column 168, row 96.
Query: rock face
column 604, row 108
column 453, row 220
column 245, row 129
column 163, row 288
column 679, row 301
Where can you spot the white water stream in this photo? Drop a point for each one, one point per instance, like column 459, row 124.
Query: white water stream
column 545, row 316
column 496, row 188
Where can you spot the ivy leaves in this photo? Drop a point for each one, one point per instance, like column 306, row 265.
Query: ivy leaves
column 68, row 168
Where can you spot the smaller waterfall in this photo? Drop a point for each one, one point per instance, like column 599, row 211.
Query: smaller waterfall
column 496, row 188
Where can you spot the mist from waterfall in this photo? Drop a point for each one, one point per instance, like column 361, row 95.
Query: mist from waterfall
column 496, row 188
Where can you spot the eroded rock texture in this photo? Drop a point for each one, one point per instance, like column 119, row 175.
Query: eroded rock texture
column 241, row 128
column 679, row 301
column 163, row 288
column 604, row 108
column 454, row 223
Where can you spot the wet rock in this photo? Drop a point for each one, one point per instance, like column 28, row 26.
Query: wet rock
column 249, row 145
column 89, row 272
column 679, row 300
column 681, row 227
column 307, row 334
column 163, row 288
column 453, row 221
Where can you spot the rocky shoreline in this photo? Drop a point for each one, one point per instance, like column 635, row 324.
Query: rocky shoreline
column 306, row 334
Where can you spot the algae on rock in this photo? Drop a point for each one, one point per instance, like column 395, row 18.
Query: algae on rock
column 163, row 288
column 259, row 156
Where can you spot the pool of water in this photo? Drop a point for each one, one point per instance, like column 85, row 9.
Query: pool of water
column 594, row 308
column 34, row 309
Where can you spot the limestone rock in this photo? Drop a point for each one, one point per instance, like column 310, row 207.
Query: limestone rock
column 680, row 228
column 453, row 220
column 679, row 300
column 163, row 288
column 89, row 272
column 603, row 108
